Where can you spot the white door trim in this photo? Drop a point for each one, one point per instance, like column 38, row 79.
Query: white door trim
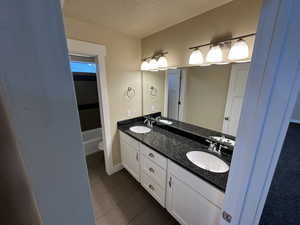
column 98, row 51
column 271, row 92
column 166, row 95
column 230, row 93
column 183, row 82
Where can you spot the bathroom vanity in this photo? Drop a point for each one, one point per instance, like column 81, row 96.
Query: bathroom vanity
column 158, row 160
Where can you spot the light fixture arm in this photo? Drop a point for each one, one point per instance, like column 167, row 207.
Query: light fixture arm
column 155, row 56
column 223, row 41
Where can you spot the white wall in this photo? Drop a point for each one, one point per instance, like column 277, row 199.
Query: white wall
column 206, row 92
column 37, row 91
column 153, row 102
column 238, row 17
column 122, row 69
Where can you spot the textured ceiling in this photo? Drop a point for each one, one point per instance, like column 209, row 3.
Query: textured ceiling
column 138, row 18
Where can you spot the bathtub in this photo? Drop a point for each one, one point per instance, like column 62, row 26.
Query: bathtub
column 92, row 140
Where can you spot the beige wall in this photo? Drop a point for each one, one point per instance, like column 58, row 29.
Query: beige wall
column 233, row 19
column 122, row 65
column 205, row 96
column 152, row 104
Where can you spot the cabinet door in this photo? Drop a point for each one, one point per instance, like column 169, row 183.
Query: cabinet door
column 188, row 206
column 131, row 160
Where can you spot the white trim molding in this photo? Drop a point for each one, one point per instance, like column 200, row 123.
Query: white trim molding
column 98, row 51
column 117, row 168
column 272, row 89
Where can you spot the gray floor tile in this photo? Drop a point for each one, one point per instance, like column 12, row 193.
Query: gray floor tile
column 120, row 200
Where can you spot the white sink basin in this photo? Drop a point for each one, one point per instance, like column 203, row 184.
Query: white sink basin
column 168, row 122
column 140, row 129
column 207, row 161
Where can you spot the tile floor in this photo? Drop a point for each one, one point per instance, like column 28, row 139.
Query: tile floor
column 120, row 200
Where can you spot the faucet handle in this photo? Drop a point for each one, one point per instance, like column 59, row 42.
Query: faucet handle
column 209, row 141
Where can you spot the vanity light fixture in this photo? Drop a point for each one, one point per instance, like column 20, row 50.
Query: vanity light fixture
column 239, row 51
column 145, row 66
column 156, row 62
column 214, row 55
column 196, row 58
column 162, row 63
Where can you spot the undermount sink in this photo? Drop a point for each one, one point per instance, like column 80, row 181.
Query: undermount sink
column 140, row 129
column 168, row 122
column 207, row 161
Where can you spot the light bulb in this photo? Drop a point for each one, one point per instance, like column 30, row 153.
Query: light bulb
column 162, row 63
column 153, row 65
column 196, row 57
column 239, row 51
column 214, row 55
column 145, row 66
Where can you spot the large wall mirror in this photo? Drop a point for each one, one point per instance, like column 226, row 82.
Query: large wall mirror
column 209, row 96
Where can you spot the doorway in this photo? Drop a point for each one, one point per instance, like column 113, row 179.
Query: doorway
column 174, row 95
column 98, row 52
column 236, row 92
column 84, row 71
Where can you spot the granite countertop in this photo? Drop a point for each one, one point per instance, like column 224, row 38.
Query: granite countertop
column 198, row 131
column 175, row 146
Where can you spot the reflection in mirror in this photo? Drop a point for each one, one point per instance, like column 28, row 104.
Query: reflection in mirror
column 210, row 97
column 153, row 92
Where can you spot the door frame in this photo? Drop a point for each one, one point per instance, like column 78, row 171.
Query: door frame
column 272, row 87
column 181, row 94
column 99, row 52
column 230, row 92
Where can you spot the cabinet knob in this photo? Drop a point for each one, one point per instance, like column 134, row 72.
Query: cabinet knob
column 151, row 187
column 151, row 155
column 137, row 156
column 151, row 170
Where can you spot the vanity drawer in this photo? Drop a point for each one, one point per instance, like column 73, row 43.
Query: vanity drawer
column 153, row 188
column 129, row 140
column 153, row 171
column 154, row 156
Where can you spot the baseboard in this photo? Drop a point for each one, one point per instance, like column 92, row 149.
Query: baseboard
column 117, row 168
column 90, row 151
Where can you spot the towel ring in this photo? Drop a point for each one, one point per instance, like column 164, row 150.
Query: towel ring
column 153, row 91
column 130, row 93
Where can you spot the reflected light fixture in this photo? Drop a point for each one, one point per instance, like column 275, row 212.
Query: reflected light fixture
column 162, row 63
column 214, row 55
column 144, row 66
column 239, row 50
column 196, row 58
column 153, row 65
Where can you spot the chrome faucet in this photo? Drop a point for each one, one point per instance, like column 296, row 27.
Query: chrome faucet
column 149, row 121
column 213, row 147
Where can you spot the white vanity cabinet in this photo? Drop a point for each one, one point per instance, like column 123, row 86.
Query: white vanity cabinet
column 190, row 200
column 153, row 173
column 130, row 154
column 145, row 165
